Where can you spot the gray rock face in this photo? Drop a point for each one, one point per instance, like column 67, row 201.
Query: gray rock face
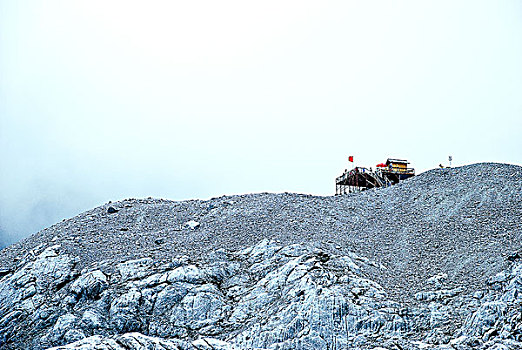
column 125, row 342
column 267, row 296
column 328, row 276
column 25, row 295
column 90, row 284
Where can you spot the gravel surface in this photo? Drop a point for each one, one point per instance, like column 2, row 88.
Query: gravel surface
column 464, row 222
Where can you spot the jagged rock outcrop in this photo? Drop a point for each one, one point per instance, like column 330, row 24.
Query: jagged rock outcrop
column 267, row 296
column 291, row 290
column 264, row 296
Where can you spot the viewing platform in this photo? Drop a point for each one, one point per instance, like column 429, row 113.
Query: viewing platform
column 385, row 174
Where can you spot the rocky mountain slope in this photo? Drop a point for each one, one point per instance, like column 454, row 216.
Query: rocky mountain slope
column 430, row 263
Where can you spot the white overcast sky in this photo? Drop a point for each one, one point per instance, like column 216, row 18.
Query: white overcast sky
column 105, row 100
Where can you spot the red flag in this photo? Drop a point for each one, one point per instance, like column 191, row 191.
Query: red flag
column 350, row 159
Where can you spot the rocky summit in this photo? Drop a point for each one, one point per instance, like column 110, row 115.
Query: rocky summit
column 434, row 262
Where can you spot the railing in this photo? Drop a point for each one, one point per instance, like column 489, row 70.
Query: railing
column 397, row 170
column 360, row 178
column 356, row 170
column 353, row 174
